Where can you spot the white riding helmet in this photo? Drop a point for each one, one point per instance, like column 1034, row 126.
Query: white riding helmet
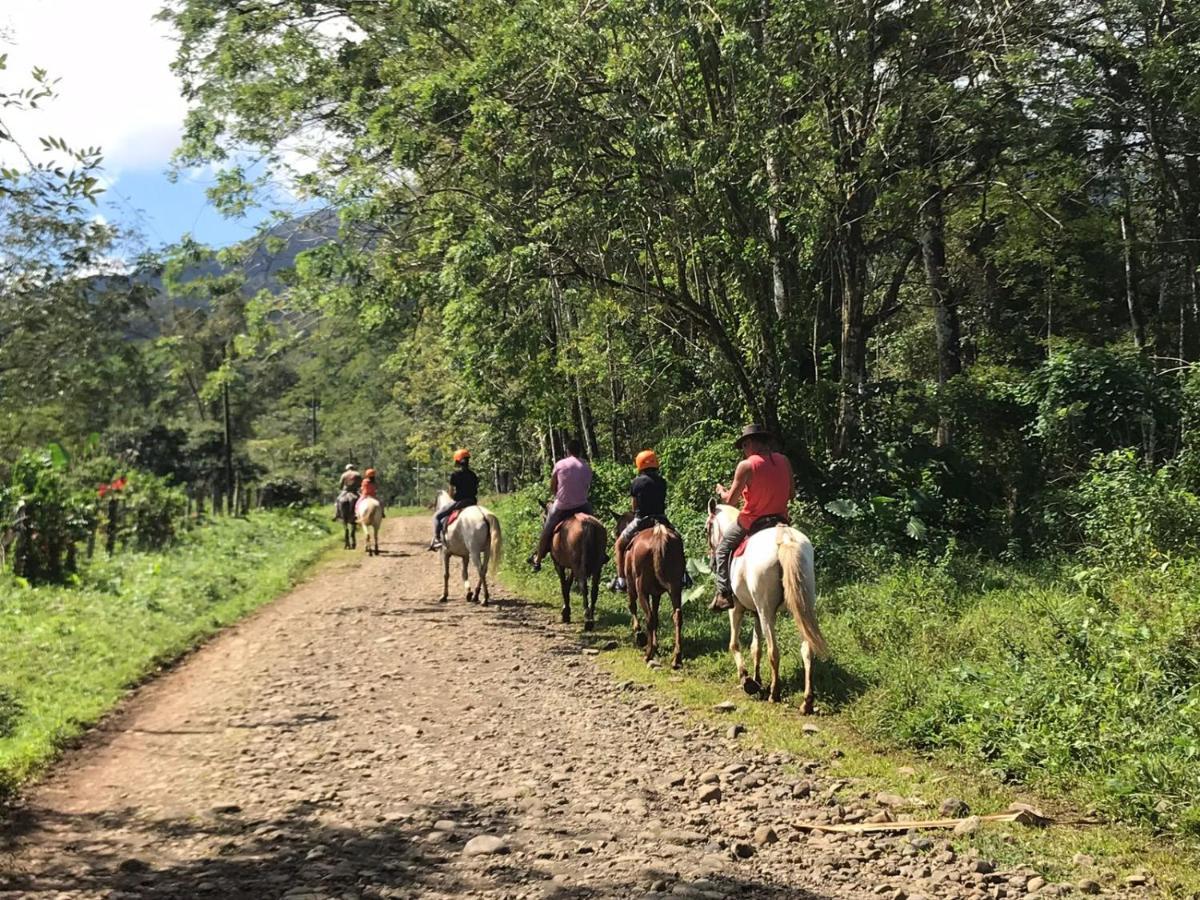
column 350, row 466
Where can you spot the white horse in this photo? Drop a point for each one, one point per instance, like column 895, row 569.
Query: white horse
column 776, row 568
column 474, row 537
column 369, row 513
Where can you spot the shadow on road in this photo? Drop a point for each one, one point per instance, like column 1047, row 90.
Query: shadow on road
column 296, row 853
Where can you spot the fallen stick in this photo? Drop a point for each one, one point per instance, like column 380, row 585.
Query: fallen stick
column 1022, row 816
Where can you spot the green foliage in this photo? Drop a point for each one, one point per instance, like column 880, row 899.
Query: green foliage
column 151, row 510
column 1131, row 514
column 49, row 515
column 70, row 653
column 1086, row 685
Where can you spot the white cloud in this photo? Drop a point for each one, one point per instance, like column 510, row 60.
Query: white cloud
column 116, row 89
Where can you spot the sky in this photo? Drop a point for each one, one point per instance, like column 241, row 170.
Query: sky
column 116, row 91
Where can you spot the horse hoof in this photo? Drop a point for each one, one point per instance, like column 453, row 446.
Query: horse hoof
column 808, row 707
column 589, row 626
column 443, row 600
column 566, row 618
column 676, row 664
column 639, row 639
column 486, row 602
column 750, row 686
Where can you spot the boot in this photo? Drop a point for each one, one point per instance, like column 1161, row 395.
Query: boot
column 722, row 601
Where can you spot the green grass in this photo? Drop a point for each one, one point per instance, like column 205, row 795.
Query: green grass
column 70, row 653
column 1071, row 691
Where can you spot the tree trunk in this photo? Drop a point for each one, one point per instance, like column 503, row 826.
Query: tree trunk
column 228, row 420
column 945, row 303
column 852, row 271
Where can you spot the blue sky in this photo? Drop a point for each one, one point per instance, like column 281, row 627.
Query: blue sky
column 116, row 91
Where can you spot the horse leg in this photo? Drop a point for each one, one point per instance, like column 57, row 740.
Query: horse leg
column 772, row 654
column 735, row 640
column 481, row 562
column 565, row 580
column 677, row 618
column 631, row 593
column 806, row 655
column 649, row 617
column 466, row 577
column 756, row 647
column 654, row 601
column 445, row 576
column 589, row 617
column 375, row 537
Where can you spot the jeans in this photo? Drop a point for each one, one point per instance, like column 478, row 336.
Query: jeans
column 724, row 557
column 553, row 517
column 440, row 517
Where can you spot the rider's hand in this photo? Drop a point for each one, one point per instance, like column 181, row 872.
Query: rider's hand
column 721, row 492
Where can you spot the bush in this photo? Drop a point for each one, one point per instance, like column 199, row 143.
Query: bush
column 151, row 509
column 282, row 490
column 49, row 515
column 10, row 712
column 1130, row 514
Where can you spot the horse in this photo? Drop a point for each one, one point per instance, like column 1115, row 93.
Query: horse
column 369, row 513
column 577, row 550
column 776, row 568
column 475, row 537
column 654, row 565
column 346, row 502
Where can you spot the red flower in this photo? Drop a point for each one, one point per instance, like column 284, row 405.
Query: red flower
column 101, row 490
column 119, row 484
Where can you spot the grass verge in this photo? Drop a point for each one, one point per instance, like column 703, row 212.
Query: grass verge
column 70, row 653
column 877, row 639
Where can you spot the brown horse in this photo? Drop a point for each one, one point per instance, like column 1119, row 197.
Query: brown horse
column 578, row 553
column 654, row 565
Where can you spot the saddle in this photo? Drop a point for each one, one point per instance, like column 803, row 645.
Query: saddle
column 452, row 518
column 759, row 524
column 347, row 496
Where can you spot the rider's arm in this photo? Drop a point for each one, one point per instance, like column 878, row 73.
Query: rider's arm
column 554, row 485
column 741, row 480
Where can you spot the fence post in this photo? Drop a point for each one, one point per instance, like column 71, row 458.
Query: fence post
column 110, row 537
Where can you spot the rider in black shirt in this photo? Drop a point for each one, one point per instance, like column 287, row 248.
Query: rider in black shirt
column 464, row 489
column 649, row 493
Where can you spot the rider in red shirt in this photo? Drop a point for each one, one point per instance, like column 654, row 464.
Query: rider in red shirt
column 764, row 483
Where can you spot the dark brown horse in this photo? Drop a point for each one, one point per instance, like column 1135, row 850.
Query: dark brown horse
column 345, row 512
column 654, row 565
column 578, row 551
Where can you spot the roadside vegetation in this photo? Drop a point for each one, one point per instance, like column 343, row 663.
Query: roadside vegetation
column 70, row 652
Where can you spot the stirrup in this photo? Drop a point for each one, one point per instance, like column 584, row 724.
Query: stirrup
column 534, row 564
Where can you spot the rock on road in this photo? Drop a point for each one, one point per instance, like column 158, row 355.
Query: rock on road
column 357, row 739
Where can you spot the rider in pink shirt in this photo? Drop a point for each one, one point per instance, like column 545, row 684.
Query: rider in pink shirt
column 570, row 483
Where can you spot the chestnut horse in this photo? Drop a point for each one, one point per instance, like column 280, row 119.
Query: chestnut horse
column 578, row 554
column 776, row 569
column 654, row 565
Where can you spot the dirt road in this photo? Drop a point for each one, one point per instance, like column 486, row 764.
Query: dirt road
column 359, row 740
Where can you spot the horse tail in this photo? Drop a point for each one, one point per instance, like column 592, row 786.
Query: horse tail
column 658, row 553
column 495, row 540
column 799, row 589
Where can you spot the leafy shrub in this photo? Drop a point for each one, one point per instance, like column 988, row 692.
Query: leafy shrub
column 1129, row 513
column 1091, row 399
column 10, row 711
column 282, row 490
column 151, row 510
column 49, row 514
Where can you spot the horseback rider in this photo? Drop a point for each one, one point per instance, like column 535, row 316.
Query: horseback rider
column 763, row 482
column 649, row 493
column 350, row 483
column 464, row 491
column 570, row 482
column 370, row 488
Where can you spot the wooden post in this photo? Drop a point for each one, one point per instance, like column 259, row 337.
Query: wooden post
column 110, row 538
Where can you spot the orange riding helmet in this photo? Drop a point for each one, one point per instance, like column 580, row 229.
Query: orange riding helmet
column 370, row 473
column 460, row 455
column 647, row 459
